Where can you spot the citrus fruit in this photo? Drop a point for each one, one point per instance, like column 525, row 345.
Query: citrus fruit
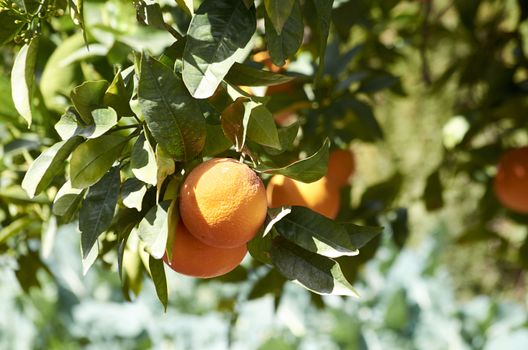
column 511, row 181
column 341, row 166
column 320, row 196
column 192, row 257
column 223, row 203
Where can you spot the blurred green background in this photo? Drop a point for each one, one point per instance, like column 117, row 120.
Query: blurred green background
column 448, row 86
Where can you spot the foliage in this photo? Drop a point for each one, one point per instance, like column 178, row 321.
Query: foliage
column 133, row 96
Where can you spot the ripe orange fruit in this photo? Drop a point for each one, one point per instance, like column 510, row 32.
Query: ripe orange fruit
column 341, row 165
column 264, row 58
column 511, row 181
column 320, row 196
column 223, row 203
column 191, row 257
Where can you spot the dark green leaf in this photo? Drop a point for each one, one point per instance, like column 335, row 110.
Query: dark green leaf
column 215, row 142
column 103, row 120
column 157, row 272
column 241, row 74
column 287, row 136
column 433, row 192
column 172, row 115
column 306, row 170
column 153, row 229
column 323, row 236
column 317, row 273
column 9, row 28
column 216, row 38
column 279, row 12
column 22, row 79
column 283, row 45
column 97, row 209
column 272, row 282
column 259, row 248
column 323, row 9
column 91, row 160
column 87, row 97
column 47, row 165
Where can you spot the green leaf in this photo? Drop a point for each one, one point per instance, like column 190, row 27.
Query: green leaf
column 87, row 97
column 22, row 79
column 241, row 74
column 316, row 233
column 103, row 120
column 279, row 12
column 90, row 258
column 173, row 218
column 234, row 122
column 9, row 28
column 317, row 273
column 283, row 45
column 287, row 136
column 8, row 112
column 143, row 161
column 47, row 165
column 216, row 38
column 77, row 13
column 323, row 9
column 91, row 160
column 259, row 247
column 166, row 166
column 157, row 272
column 306, row 170
column 117, row 96
column 67, row 199
column 60, row 77
column 153, row 229
column 272, row 282
column 132, row 193
column 433, row 192
column 15, row 227
column 186, row 5
column 172, row 115
column 261, row 126
column 215, row 142
column 98, row 209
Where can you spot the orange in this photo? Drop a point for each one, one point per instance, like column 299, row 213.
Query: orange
column 264, row 58
column 223, row 203
column 191, row 257
column 341, row 166
column 320, row 196
column 511, row 181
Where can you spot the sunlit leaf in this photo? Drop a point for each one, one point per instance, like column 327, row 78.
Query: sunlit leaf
column 22, row 79
column 218, row 33
column 47, row 165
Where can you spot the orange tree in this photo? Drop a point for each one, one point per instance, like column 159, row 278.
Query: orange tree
column 124, row 99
